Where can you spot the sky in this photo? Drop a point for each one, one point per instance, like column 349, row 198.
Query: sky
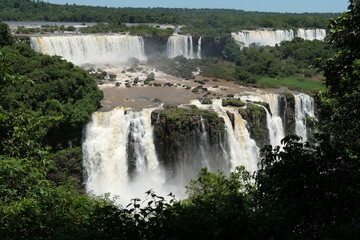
column 297, row 6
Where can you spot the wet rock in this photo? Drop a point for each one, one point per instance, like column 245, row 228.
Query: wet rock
column 231, row 117
column 230, row 95
column 256, row 118
column 200, row 82
column 117, row 84
column 206, row 101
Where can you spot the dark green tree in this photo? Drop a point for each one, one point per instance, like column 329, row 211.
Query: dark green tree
column 313, row 192
column 5, row 35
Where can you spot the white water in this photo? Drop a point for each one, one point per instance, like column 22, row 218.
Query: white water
column 106, row 160
column 199, row 49
column 110, row 135
column 304, row 106
column 204, row 145
column 242, row 149
column 182, row 45
column 93, row 49
column 274, row 121
column 271, row 38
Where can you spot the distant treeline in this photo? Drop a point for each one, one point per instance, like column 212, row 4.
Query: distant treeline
column 198, row 21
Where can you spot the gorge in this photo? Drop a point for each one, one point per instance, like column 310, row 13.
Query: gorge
column 162, row 149
column 129, row 151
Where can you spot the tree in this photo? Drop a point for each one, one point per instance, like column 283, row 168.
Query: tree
column 313, row 192
column 340, row 103
column 5, row 35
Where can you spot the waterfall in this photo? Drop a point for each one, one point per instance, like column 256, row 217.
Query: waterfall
column 242, row 149
column 199, row 49
column 123, row 152
column 271, row 38
column 180, row 45
column 304, row 106
column 204, row 145
column 273, row 118
column 93, row 49
column 108, row 158
column 311, row 34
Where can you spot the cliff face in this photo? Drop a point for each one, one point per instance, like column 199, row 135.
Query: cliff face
column 212, row 46
column 255, row 117
column 155, row 44
column 182, row 136
column 287, row 108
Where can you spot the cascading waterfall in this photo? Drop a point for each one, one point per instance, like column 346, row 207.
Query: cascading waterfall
column 199, row 49
column 304, row 106
column 108, row 161
column 242, row 149
column 204, row 144
column 271, row 38
column 180, row 45
column 311, row 34
column 93, row 49
column 273, row 119
column 121, row 154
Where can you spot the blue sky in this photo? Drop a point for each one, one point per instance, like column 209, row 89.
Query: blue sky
column 249, row 5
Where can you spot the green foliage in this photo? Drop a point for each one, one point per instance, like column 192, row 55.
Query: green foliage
column 219, row 69
column 296, row 83
column 233, row 102
column 303, row 192
column 300, row 192
column 53, row 103
column 180, row 118
column 141, row 29
column 342, row 72
column 311, row 192
column 215, row 202
column 256, row 118
column 199, row 22
column 5, row 35
column 66, row 166
column 178, row 67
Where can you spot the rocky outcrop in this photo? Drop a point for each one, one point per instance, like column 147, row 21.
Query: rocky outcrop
column 255, row 116
column 155, row 44
column 184, row 135
column 287, row 108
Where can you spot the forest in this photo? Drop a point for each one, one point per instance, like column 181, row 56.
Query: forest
column 304, row 191
column 199, row 22
column 288, row 62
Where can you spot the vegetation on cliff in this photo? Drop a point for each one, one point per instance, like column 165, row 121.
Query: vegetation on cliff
column 178, row 132
column 256, row 118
